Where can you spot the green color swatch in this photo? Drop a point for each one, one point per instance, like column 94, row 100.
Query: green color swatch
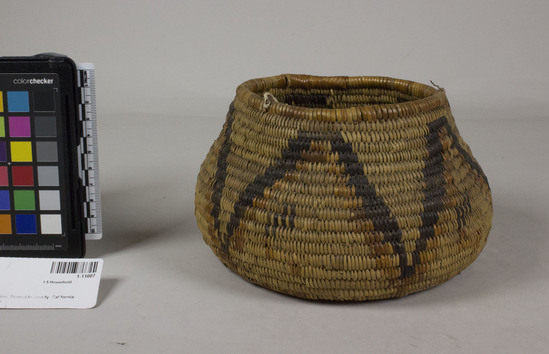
column 23, row 200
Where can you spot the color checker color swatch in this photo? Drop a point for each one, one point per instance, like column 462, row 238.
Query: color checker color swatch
column 30, row 194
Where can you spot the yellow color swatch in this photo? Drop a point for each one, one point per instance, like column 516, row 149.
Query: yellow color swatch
column 1, row 102
column 5, row 224
column 21, row 151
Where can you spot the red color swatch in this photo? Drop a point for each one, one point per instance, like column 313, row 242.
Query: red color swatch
column 22, row 176
column 3, row 176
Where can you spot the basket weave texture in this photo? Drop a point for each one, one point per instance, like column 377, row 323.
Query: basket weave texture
column 342, row 188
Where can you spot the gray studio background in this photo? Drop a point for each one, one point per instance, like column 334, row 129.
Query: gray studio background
column 166, row 73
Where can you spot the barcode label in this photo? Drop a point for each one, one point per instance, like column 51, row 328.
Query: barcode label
column 49, row 283
column 73, row 267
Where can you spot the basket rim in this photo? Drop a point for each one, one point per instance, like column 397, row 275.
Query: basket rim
column 251, row 93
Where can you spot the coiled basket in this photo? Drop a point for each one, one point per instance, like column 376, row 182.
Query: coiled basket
column 342, row 188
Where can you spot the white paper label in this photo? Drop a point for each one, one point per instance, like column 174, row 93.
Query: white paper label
column 49, row 282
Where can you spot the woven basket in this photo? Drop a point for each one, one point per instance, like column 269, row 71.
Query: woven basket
column 342, row 188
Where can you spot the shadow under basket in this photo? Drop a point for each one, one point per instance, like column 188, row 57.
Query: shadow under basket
column 342, row 188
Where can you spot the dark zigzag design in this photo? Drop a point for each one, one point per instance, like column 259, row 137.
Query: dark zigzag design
column 221, row 172
column 465, row 209
column 468, row 158
column 374, row 206
column 272, row 174
column 435, row 190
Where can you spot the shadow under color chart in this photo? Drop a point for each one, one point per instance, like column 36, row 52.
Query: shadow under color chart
column 31, row 195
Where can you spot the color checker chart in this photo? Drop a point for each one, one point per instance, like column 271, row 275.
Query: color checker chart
column 31, row 197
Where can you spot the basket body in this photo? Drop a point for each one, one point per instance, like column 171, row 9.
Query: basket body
column 342, row 188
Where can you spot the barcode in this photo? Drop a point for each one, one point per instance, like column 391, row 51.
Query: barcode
column 73, row 267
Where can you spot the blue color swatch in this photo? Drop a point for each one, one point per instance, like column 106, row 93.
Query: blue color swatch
column 18, row 101
column 4, row 200
column 25, row 224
